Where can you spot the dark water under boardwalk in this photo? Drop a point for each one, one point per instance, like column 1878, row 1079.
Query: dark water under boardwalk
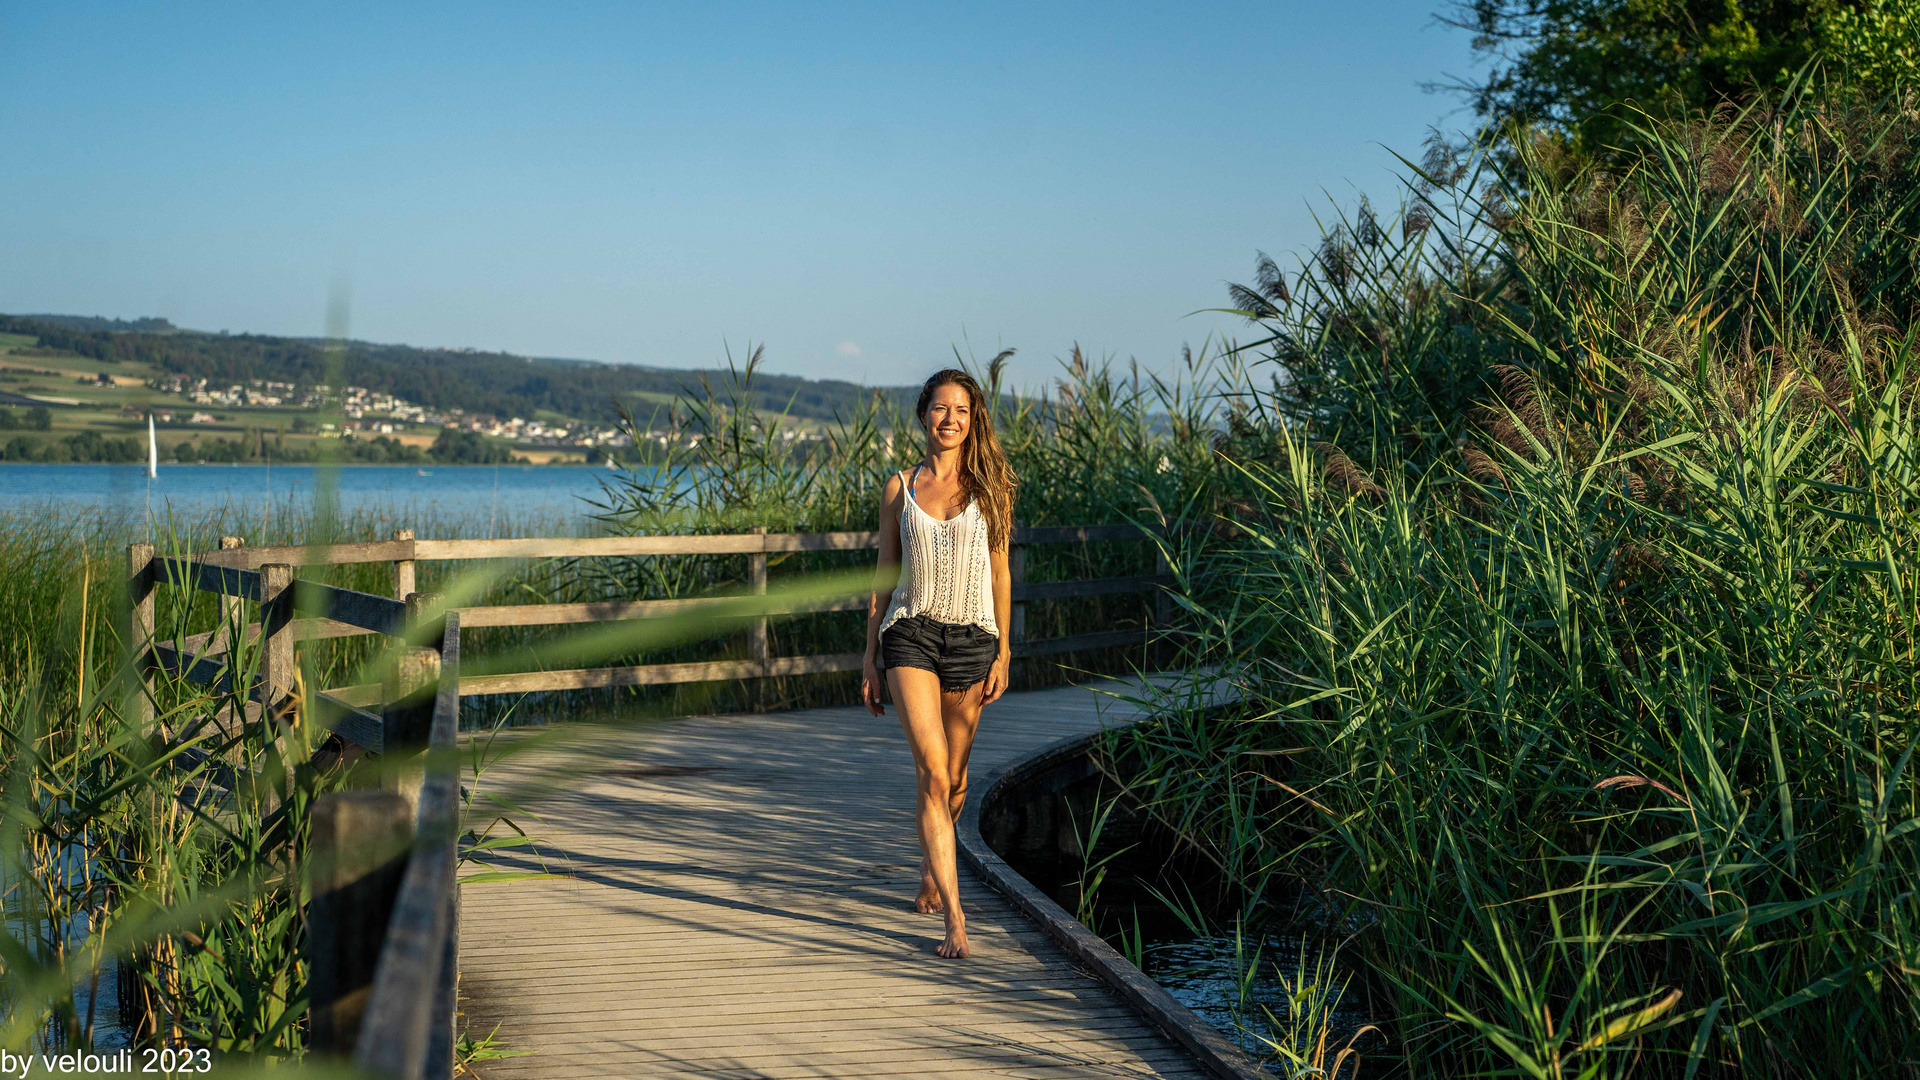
column 1249, row 968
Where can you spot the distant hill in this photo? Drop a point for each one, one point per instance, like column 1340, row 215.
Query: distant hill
column 479, row 382
column 95, row 322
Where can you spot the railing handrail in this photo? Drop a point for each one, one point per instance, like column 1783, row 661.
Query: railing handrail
column 408, row 1027
column 560, row 547
column 345, row 612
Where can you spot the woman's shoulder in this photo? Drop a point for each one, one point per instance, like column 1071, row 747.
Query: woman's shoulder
column 891, row 489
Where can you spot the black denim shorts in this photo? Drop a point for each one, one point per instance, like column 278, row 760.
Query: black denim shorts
column 960, row 653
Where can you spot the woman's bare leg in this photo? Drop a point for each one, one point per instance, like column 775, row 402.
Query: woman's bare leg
column 960, row 718
column 916, row 693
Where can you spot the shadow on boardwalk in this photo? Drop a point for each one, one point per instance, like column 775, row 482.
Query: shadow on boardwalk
column 739, row 906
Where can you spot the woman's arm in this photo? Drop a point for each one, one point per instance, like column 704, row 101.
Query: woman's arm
column 885, row 577
column 1002, row 669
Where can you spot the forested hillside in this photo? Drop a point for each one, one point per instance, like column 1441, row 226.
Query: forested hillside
column 496, row 383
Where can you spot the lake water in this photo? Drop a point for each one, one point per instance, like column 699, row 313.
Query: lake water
column 471, row 492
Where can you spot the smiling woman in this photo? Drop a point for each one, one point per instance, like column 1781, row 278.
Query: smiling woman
column 941, row 596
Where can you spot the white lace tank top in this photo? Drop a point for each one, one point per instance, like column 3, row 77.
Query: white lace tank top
column 945, row 571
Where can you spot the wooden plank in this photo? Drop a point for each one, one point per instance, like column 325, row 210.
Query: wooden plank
column 815, row 665
column 1106, row 639
column 319, row 629
column 1017, row 586
column 1076, row 534
column 404, row 549
column 835, row 541
column 358, row 851
column 403, row 575
column 209, row 671
column 214, row 642
column 406, row 1005
column 208, row 577
column 620, row 610
column 587, row 547
column 360, row 696
column 140, row 629
column 375, row 614
column 309, row 554
column 276, row 619
column 408, row 692
column 1055, row 590
column 655, row 674
column 232, row 620
column 351, row 722
column 598, row 678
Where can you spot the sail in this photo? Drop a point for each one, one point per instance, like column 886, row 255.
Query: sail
column 153, row 450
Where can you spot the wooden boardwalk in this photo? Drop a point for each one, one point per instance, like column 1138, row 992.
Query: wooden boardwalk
column 739, row 906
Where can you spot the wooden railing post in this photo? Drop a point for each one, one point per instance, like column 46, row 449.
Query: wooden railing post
column 231, row 622
column 358, row 852
column 276, row 635
column 1017, row 576
column 757, row 648
column 407, row 718
column 1162, row 606
column 402, row 569
column 140, row 626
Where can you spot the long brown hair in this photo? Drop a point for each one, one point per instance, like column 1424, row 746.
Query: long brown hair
column 985, row 475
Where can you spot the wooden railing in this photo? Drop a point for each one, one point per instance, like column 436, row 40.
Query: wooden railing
column 383, row 922
column 404, row 552
column 384, row 918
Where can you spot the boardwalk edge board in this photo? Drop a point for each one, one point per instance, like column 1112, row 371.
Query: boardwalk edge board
column 1212, row 1049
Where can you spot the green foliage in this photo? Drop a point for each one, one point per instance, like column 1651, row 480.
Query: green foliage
column 1571, row 64
column 1876, row 45
column 469, row 448
column 135, row 852
column 1598, row 726
column 82, row 447
column 1775, row 226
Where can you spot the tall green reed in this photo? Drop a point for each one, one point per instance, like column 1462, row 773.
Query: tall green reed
column 1593, row 698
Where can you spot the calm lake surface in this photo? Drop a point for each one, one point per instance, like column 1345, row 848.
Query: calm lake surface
column 471, row 492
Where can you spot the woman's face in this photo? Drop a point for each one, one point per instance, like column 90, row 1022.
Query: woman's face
column 948, row 418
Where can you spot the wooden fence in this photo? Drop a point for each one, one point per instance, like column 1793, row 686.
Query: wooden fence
column 384, row 918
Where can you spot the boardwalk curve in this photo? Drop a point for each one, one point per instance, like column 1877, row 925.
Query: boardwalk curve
column 739, row 907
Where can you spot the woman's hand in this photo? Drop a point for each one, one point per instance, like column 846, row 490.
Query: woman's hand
column 870, row 687
column 997, row 677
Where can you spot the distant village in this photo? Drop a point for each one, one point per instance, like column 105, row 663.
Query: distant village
column 370, row 412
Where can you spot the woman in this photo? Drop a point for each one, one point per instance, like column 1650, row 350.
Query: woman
column 940, row 599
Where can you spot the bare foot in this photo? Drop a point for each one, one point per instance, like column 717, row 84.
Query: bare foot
column 928, row 902
column 955, row 947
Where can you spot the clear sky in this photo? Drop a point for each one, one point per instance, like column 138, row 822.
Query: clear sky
column 859, row 187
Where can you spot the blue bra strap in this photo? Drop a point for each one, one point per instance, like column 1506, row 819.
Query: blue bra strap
column 911, row 480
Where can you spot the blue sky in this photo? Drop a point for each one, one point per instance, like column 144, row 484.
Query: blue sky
column 859, row 187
